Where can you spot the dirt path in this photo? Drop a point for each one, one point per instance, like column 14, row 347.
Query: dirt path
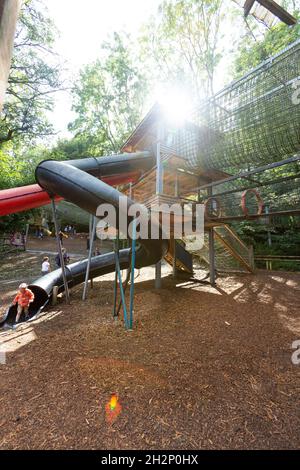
column 73, row 244
column 204, row 368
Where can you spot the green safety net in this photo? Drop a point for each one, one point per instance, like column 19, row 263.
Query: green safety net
column 253, row 121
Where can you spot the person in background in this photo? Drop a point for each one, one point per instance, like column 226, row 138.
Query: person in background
column 23, row 298
column 45, row 266
column 65, row 256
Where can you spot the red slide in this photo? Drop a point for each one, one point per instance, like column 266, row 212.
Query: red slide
column 28, row 197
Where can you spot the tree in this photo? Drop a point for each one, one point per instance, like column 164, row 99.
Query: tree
column 34, row 76
column 108, row 98
column 253, row 50
column 184, row 40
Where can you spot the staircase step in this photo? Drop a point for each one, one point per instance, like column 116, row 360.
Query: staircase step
column 231, row 251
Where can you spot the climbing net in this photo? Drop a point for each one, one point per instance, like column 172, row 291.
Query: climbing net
column 254, row 121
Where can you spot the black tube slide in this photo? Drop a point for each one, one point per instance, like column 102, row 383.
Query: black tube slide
column 77, row 181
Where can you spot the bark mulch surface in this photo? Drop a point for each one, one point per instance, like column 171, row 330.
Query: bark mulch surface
column 204, row 368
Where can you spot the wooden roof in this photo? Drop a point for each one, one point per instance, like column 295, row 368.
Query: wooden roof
column 147, row 127
column 175, row 166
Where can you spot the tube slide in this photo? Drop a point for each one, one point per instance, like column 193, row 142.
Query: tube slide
column 77, row 181
column 111, row 172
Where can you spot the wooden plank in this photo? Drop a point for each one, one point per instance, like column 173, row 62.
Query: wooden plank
column 247, row 7
column 9, row 10
column 278, row 11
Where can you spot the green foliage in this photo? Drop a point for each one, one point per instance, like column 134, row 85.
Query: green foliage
column 183, row 42
column 34, row 76
column 69, row 149
column 253, row 52
column 16, row 222
column 285, row 240
column 108, row 99
column 10, row 169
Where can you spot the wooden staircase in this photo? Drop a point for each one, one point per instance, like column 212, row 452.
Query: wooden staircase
column 235, row 246
column 231, row 253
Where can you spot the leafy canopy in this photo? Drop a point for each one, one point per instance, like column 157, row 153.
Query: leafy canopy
column 108, row 98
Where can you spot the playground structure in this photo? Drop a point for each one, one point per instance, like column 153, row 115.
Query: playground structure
column 266, row 11
column 231, row 148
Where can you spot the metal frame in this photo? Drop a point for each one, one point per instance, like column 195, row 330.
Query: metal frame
column 62, row 262
column 128, row 316
column 212, row 261
column 159, row 188
column 245, row 174
column 92, row 232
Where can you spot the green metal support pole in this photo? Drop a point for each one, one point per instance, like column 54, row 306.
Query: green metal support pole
column 122, row 291
column 118, row 276
column 93, row 221
column 116, row 250
column 59, row 247
column 132, row 274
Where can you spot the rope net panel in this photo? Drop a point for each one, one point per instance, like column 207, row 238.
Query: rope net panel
column 254, row 121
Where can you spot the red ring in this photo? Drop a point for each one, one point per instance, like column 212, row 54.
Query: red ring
column 259, row 200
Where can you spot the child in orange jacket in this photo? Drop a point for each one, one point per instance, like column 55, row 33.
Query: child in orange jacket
column 23, row 298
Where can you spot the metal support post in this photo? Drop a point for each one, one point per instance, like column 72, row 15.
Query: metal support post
column 212, row 266
column 174, row 259
column 159, row 166
column 133, row 246
column 116, row 250
column 130, row 196
column 93, row 223
column 62, row 262
column 158, row 275
column 159, row 190
column 119, row 276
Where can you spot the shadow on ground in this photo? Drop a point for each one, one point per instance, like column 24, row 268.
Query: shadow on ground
column 204, row 368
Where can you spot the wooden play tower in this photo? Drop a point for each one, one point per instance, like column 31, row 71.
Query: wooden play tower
column 172, row 181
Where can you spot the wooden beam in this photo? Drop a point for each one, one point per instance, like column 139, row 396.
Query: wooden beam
column 226, row 219
column 9, row 10
column 247, row 7
column 246, row 174
column 276, row 9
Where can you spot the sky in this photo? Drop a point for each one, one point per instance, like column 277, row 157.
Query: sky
column 83, row 26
